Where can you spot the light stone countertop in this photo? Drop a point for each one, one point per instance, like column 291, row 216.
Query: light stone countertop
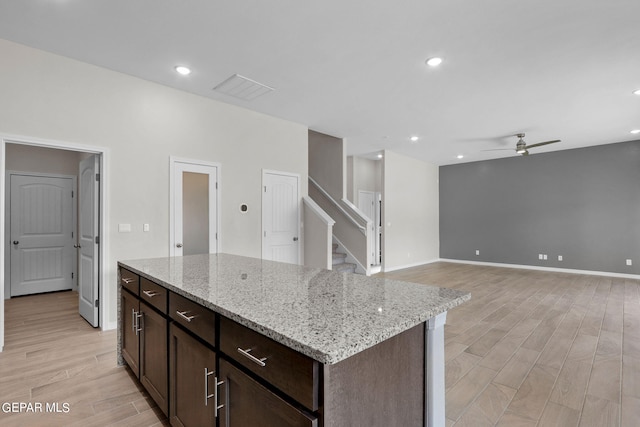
column 325, row 315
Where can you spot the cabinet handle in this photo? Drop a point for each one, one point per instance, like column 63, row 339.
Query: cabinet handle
column 138, row 316
column 133, row 320
column 215, row 399
column 127, row 280
column 207, row 396
column 183, row 314
column 246, row 353
column 151, row 294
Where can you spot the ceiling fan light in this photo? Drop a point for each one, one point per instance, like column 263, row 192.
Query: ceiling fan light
column 521, row 150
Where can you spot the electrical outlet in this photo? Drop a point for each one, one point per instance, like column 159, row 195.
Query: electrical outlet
column 629, row 262
column 145, row 227
column 124, row 228
column 559, row 257
column 477, row 251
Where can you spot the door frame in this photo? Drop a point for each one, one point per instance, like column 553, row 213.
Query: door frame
column 172, row 199
column 266, row 172
column 104, row 215
column 7, row 223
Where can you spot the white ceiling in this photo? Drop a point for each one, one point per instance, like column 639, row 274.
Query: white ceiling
column 356, row 69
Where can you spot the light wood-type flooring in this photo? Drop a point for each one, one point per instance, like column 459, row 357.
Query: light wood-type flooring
column 537, row 348
column 531, row 348
column 51, row 355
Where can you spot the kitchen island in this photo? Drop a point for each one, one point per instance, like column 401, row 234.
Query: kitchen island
column 282, row 344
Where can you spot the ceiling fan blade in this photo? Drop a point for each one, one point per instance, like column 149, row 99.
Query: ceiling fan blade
column 539, row 144
column 499, row 149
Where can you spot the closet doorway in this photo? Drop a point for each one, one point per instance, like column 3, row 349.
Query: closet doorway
column 49, row 264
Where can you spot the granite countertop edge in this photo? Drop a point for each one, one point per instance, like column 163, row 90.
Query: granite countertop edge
column 324, row 357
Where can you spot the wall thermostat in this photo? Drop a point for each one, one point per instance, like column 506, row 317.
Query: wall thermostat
column 244, row 208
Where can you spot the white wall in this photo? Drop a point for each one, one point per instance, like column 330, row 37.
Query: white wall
column 327, row 163
column 410, row 215
column 363, row 175
column 141, row 124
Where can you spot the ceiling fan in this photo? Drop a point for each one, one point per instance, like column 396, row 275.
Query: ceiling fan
column 522, row 147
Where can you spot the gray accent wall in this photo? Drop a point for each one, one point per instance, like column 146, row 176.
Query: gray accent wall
column 581, row 204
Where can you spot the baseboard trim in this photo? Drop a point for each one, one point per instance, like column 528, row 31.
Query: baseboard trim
column 541, row 268
column 402, row 267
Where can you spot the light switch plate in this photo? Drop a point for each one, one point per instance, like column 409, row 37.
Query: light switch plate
column 124, row 228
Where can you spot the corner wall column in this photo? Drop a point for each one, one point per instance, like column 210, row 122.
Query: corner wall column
column 434, row 371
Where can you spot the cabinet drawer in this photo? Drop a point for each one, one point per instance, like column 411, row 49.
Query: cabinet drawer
column 130, row 281
column 293, row 373
column 195, row 318
column 154, row 295
column 245, row 402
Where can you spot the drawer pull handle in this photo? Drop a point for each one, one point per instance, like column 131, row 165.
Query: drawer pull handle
column 247, row 353
column 215, row 400
column 128, row 280
column 183, row 314
column 151, row 294
column 207, row 396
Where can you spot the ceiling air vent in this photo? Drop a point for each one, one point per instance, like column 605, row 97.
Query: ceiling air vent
column 242, row 88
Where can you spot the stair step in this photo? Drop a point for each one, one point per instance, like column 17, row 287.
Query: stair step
column 334, row 246
column 345, row 267
column 338, row 258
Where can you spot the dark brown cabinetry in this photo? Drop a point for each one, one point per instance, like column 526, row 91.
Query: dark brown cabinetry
column 245, row 402
column 153, row 356
column 193, row 380
column 192, row 359
column 144, row 335
column 295, row 374
column 129, row 315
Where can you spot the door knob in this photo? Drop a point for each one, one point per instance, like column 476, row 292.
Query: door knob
column 178, row 245
column 295, row 239
column 15, row 242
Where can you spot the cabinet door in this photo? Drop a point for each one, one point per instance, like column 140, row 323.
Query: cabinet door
column 130, row 309
column 192, row 379
column 153, row 356
column 247, row 403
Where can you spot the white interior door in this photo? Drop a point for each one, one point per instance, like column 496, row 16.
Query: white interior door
column 367, row 205
column 194, row 210
column 281, row 217
column 88, row 244
column 42, row 253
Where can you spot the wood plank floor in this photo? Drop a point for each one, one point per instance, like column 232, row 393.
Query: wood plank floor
column 537, row 348
column 52, row 355
column 530, row 349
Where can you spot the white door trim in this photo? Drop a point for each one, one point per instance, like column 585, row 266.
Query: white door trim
column 300, row 207
column 104, row 206
column 7, row 223
column 172, row 198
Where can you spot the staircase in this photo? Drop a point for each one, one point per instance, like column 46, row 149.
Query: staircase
column 339, row 263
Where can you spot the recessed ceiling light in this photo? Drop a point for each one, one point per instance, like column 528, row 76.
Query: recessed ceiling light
column 379, row 156
column 460, row 156
column 636, row 92
column 414, row 138
column 181, row 69
column 635, row 131
column 434, row 62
